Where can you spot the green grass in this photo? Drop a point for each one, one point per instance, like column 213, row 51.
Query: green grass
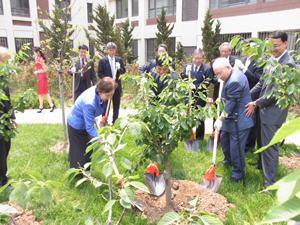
column 31, row 150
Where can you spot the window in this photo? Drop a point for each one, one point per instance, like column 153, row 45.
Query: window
column 269, row 0
column 1, row 8
column 228, row 37
column 156, row 5
column 189, row 10
column 19, row 42
column 19, row 8
column 91, row 50
column 220, row 4
column 135, row 7
column 135, row 49
column 122, row 8
column 89, row 12
column 3, row 42
column 189, row 50
column 151, row 50
column 66, row 10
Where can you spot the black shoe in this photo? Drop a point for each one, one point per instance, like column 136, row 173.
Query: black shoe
column 223, row 163
column 258, row 167
column 52, row 108
column 234, row 180
column 40, row 110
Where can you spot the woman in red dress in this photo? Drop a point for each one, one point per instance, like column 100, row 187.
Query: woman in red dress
column 40, row 64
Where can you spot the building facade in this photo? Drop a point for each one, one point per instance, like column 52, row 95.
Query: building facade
column 249, row 18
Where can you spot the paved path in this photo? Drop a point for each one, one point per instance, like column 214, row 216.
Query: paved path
column 31, row 116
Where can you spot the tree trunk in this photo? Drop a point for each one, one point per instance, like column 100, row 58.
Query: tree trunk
column 62, row 106
column 167, row 168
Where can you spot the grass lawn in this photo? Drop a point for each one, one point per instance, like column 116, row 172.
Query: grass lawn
column 31, row 150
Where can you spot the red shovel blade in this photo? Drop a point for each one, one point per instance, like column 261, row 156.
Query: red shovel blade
column 210, row 172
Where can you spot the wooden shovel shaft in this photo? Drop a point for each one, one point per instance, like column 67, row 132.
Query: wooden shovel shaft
column 190, row 92
column 73, row 89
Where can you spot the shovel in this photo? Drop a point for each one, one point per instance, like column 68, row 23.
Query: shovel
column 154, row 180
column 191, row 145
column 104, row 119
column 210, row 143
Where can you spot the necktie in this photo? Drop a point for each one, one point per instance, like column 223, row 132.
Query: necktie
column 195, row 72
column 83, row 69
column 112, row 67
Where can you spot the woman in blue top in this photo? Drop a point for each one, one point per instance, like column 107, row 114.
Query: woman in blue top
column 90, row 104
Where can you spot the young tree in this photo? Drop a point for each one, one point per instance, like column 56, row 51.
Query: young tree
column 179, row 52
column 104, row 29
column 210, row 39
column 164, row 31
column 59, row 44
column 127, row 30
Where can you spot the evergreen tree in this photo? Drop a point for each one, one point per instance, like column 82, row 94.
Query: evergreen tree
column 127, row 30
column 117, row 39
column 164, row 31
column 104, row 29
column 210, row 39
column 179, row 52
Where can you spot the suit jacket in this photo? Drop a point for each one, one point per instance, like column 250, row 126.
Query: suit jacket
column 86, row 108
column 204, row 73
column 236, row 87
column 269, row 112
column 104, row 70
column 161, row 84
column 148, row 67
column 5, row 105
column 253, row 73
column 89, row 73
column 215, row 79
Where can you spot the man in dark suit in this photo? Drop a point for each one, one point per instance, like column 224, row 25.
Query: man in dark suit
column 161, row 49
column 5, row 107
column 106, row 68
column 253, row 74
column 236, row 94
column 270, row 115
column 200, row 72
column 84, row 72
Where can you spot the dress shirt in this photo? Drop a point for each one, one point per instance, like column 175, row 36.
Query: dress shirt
column 81, row 64
column 114, row 63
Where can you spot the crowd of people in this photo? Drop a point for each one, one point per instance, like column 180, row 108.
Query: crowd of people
column 247, row 116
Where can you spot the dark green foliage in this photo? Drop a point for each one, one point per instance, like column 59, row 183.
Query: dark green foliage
column 210, row 39
column 58, row 34
column 179, row 52
column 164, row 31
column 127, row 30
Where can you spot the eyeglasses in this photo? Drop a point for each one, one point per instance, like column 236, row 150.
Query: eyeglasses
column 198, row 58
column 277, row 46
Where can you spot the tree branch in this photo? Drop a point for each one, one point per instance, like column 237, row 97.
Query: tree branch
column 108, row 221
column 121, row 217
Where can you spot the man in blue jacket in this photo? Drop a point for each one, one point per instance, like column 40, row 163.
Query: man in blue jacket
column 235, row 94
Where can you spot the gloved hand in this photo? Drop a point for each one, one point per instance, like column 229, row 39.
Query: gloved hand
column 73, row 69
column 104, row 119
column 238, row 63
column 117, row 65
column 143, row 81
column 220, row 81
column 218, row 125
column 188, row 68
column 193, row 86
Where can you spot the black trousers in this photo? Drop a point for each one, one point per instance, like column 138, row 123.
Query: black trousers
column 78, row 140
column 116, row 100
column 82, row 87
column 4, row 150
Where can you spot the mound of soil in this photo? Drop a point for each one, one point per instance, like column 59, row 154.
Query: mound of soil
column 59, row 148
column 183, row 191
column 292, row 163
column 24, row 217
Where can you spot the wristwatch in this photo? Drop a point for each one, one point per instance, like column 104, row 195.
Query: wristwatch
column 254, row 104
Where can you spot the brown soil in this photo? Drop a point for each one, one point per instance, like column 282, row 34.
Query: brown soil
column 183, row 191
column 23, row 217
column 59, row 148
column 292, row 163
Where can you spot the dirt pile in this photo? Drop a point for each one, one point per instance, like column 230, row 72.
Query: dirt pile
column 183, row 191
column 24, row 217
column 292, row 163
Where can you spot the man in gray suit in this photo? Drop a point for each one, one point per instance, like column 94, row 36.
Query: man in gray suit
column 270, row 115
column 84, row 72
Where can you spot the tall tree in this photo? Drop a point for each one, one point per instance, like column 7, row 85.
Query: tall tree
column 59, row 44
column 179, row 52
column 127, row 30
column 164, row 31
column 104, row 29
column 210, row 39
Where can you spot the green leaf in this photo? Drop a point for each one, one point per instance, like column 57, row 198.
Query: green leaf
column 290, row 89
column 78, row 209
column 285, row 131
column 107, row 169
column 88, row 202
column 123, row 124
column 100, row 159
column 169, row 218
column 45, row 196
column 109, row 205
column 72, row 172
column 125, row 204
column 97, row 183
column 7, row 209
column 208, row 220
column 283, row 212
column 140, row 186
column 18, row 195
column 135, row 129
column 86, row 165
column 53, row 183
column 120, row 146
column 194, row 202
column 80, row 181
column 77, row 221
column 127, row 195
column 88, row 220
column 126, row 163
column 111, row 138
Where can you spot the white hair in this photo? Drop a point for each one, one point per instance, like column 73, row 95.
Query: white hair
column 225, row 44
column 221, row 63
